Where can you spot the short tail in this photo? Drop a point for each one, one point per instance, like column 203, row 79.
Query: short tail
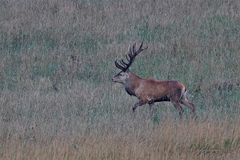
column 183, row 93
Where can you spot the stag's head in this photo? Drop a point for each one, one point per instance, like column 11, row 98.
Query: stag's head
column 123, row 75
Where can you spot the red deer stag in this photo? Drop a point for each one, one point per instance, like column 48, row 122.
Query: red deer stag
column 149, row 91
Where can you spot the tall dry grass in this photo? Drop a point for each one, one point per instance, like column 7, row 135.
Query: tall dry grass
column 170, row 140
column 56, row 62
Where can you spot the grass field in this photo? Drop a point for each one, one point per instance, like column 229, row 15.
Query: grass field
column 57, row 100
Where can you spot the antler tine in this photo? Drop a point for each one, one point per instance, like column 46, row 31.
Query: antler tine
column 127, row 57
column 141, row 49
column 123, row 63
column 133, row 49
column 129, row 51
column 119, row 66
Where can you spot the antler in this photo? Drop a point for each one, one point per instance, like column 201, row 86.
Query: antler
column 132, row 53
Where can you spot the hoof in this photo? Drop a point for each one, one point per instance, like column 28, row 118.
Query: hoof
column 133, row 109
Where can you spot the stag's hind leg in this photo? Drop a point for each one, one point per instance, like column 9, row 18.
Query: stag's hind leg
column 174, row 99
column 177, row 105
column 179, row 108
column 190, row 105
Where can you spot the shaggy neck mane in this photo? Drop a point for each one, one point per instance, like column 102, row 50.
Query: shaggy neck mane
column 132, row 83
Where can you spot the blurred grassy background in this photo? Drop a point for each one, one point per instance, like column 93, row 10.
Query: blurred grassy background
column 57, row 60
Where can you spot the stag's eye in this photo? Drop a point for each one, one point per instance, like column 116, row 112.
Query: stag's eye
column 123, row 74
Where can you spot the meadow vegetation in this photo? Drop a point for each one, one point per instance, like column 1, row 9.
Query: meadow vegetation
column 57, row 100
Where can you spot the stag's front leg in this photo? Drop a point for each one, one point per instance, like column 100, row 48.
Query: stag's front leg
column 151, row 103
column 139, row 103
column 151, row 109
